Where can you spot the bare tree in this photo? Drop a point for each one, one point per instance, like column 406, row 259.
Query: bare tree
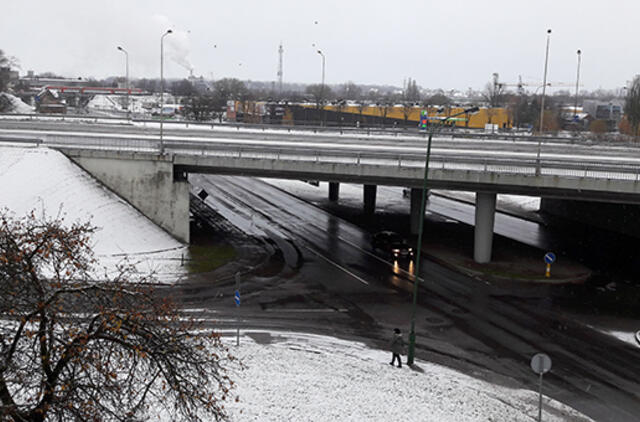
column 632, row 105
column 410, row 97
column 351, row 91
column 385, row 105
column 411, row 92
column 320, row 93
column 76, row 349
column 6, row 63
column 361, row 105
column 493, row 95
column 200, row 107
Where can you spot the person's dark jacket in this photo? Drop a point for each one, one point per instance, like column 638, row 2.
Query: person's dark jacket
column 397, row 344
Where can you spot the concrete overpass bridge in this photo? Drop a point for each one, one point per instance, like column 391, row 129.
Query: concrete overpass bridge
column 156, row 184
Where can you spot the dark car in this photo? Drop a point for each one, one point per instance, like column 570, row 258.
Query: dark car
column 392, row 243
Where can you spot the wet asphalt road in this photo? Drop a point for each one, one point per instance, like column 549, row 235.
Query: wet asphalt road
column 323, row 277
column 311, row 271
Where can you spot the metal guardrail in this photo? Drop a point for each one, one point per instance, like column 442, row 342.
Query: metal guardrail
column 444, row 161
column 439, row 160
column 303, row 126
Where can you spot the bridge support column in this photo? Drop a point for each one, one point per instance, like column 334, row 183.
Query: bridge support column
column 370, row 199
column 334, row 191
column 416, row 200
column 485, row 216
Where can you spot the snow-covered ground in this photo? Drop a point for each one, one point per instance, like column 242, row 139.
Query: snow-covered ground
column 18, row 106
column 115, row 105
column 303, row 377
column 46, row 181
column 286, row 376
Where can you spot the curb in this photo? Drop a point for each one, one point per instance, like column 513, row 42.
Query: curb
column 479, row 275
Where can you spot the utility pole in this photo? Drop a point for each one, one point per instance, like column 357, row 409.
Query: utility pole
column 126, row 83
column 280, row 53
column 169, row 31
column 575, row 109
column 236, row 298
column 544, row 87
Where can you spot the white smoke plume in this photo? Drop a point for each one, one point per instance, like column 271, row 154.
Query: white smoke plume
column 177, row 44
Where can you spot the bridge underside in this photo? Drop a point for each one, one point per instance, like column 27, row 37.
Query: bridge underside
column 157, row 186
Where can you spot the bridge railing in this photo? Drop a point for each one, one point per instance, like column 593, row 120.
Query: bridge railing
column 445, row 160
column 303, row 126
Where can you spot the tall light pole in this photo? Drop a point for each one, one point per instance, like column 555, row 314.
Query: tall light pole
column 412, row 332
column 169, row 31
column 575, row 109
column 544, row 88
column 544, row 82
column 213, row 75
column 322, row 86
column 126, row 83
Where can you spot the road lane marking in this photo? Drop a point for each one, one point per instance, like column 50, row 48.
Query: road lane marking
column 360, row 279
column 323, row 310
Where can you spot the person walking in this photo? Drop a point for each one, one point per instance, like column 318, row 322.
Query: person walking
column 397, row 347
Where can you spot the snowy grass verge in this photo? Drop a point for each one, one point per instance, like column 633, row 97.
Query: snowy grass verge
column 293, row 376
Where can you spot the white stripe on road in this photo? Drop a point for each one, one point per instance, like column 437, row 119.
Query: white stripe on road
column 324, row 310
column 360, row 279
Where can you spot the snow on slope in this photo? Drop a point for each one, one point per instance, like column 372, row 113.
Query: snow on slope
column 19, row 106
column 304, row 377
column 46, row 181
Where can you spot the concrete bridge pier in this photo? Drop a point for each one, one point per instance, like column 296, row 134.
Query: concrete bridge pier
column 370, row 199
column 485, row 217
column 334, row 191
column 414, row 216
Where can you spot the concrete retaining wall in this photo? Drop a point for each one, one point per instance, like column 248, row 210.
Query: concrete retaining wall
column 146, row 181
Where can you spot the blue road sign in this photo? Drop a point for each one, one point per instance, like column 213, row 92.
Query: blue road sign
column 237, row 297
column 549, row 257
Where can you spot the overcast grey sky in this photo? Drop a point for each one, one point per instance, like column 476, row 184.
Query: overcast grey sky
column 442, row 44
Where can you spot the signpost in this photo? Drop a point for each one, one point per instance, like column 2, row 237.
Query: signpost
column 236, row 298
column 549, row 258
column 541, row 364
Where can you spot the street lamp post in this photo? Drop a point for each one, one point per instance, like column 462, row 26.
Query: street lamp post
column 544, row 88
column 322, row 85
column 412, row 332
column 126, row 83
column 169, row 31
column 544, row 81
column 575, row 109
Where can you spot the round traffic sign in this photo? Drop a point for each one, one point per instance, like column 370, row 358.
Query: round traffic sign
column 638, row 336
column 541, row 363
column 549, row 257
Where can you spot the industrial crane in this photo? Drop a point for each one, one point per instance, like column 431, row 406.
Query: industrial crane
column 521, row 85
